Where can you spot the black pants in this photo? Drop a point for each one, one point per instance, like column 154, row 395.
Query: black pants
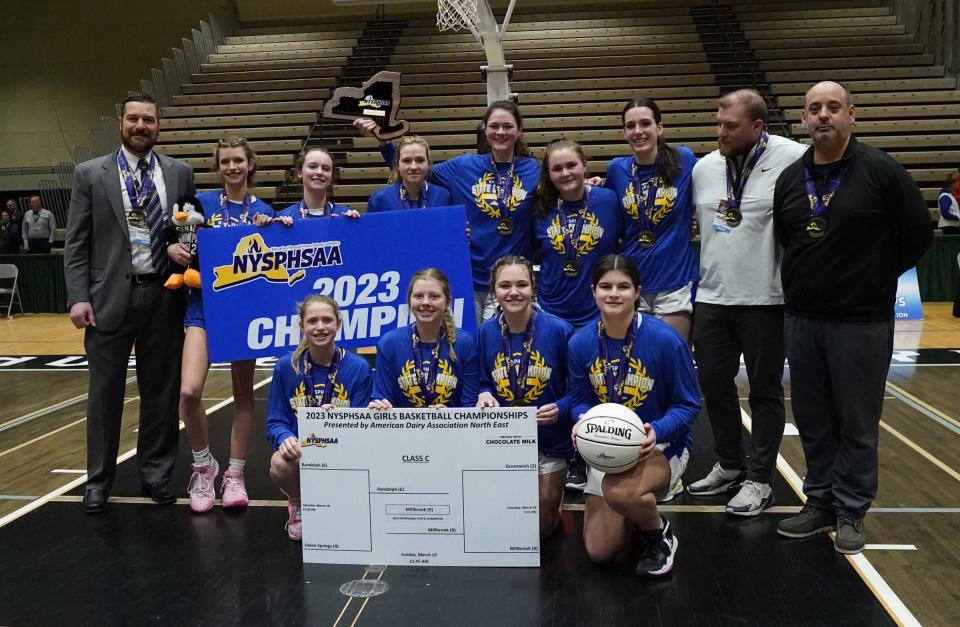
column 39, row 245
column 154, row 323
column 720, row 334
column 838, row 371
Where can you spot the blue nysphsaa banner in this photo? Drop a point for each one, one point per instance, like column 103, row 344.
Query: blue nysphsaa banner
column 254, row 277
column 908, row 305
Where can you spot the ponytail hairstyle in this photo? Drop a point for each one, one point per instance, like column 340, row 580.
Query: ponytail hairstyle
column 312, row 299
column 668, row 160
column 547, row 193
column 237, row 142
column 618, row 263
column 520, row 149
column 302, row 158
column 408, row 140
column 435, row 274
column 513, row 260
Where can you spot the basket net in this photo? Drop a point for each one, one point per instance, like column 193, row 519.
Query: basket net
column 456, row 14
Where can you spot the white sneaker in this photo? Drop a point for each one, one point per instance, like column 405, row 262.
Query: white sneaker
column 675, row 489
column 752, row 499
column 717, row 481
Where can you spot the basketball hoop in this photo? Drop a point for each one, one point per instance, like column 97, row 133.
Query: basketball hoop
column 457, row 15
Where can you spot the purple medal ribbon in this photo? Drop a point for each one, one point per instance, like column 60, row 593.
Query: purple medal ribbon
column 818, row 203
column 305, row 212
column 645, row 211
column 419, row 203
column 138, row 191
column 735, row 185
column 615, row 384
column 517, row 375
column 309, row 383
column 428, row 386
column 572, row 236
column 225, row 209
column 504, row 187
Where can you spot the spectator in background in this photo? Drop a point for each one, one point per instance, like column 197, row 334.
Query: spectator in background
column 16, row 218
column 39, row 226
column 949, row 208
column 9, row 234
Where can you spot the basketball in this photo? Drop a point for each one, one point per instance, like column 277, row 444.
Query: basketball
column 608, row 437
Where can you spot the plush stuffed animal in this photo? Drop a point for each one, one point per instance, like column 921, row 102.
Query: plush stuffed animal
column 187, row 218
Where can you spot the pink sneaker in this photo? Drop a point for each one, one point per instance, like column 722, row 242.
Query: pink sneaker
column 234, row 490
column 201, row 486
column 294, row 521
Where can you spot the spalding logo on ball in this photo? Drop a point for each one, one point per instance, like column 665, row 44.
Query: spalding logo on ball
column 609, row 436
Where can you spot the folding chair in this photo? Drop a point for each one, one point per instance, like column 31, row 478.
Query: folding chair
column 10, row 271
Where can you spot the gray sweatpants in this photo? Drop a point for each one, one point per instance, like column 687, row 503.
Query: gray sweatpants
column 838, row 370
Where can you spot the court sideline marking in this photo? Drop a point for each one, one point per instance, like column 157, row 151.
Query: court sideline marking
column 46, row 498
column 16, row 422
column 924, row 408
column 930, row 457
column 877, row 584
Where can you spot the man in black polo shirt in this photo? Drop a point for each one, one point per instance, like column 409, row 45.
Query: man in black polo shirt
column 851, row 220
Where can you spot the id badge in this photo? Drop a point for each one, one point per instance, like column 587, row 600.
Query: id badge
column 720, row 218
column 140, row 236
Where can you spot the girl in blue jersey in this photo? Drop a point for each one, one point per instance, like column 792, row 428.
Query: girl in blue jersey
column 233, row 205
column 409, row 189
column 653, row 185
column 638, row 361
column 523, row 363
column 574, row 225
column 430, row 363
column 314, row 168
column 497, row 189
column 317, row 374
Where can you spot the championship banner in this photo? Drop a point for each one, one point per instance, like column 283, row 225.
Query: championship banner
column 908, row 305
column 253, row 277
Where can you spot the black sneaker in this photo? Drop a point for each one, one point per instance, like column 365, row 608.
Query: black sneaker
column 809, row 522
column 577, row 475
column 657, row 549
column 850, row 538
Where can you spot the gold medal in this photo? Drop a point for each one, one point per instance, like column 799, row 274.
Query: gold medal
column 137, row 219
column 505, row 226
column 816, row 228
column 571, row 268
column 646, row 239
column 733, row 217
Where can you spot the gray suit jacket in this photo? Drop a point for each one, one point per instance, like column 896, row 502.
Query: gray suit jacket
column 97, row 254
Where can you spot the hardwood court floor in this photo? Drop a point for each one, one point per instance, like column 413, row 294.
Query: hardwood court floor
column 143, row 563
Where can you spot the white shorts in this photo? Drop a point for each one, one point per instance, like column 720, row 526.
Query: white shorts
column 678, row 466
column 548, row 464
column 484, row 306
column 664, row 303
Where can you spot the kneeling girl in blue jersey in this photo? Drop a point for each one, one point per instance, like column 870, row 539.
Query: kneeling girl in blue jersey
column 523, row 363
column 314, row 168
column 409, row 189
column 430, row 363
column 317, row 374
column 638, row 361
column 574, row 225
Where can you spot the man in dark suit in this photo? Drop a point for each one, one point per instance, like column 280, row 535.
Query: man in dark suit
column 116, row 261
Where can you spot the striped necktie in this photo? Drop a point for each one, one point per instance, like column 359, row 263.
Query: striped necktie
column 158, row 250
